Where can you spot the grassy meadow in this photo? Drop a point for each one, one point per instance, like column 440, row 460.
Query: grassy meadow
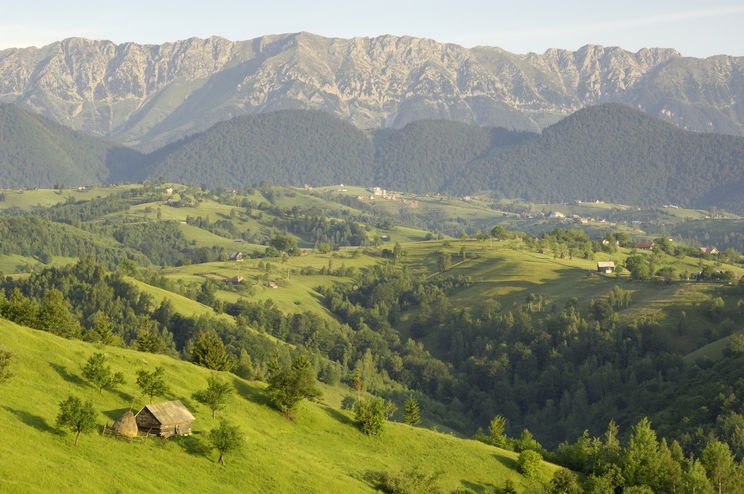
column 321, row 451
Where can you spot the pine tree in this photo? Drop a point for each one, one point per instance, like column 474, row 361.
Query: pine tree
column 411, row 411
column 98, row 374
column 76, row 416
column 5, row 359
column 496, row 435
column 641, row 462
column 55, row 316
column 209, row 351
column 289, row 386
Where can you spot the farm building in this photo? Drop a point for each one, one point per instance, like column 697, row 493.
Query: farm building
column 645, row 245
column 236, row 280
column 709, row 250
column 606, row 267
column 236, row 256
column 166, row 419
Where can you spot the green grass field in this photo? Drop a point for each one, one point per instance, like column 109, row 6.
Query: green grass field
column 320, row 452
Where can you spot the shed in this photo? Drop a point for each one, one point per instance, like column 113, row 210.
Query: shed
column 606, row 267
column 236, row 256
column 166, row 419
column 645, row 245
column 126, row 425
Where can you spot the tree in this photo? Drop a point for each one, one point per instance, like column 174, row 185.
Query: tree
column 529, row 462
column 216, row 395
column 76, row 416
column 55, row 316
column 496, row 435
column 101, row 332
column 225, row 438
column 719, row 464
column 499, row 232
column 370, row 415
column 152, row 383
column 695, row 480
column 411, row 411
column 641, row 462
column 564, row 482
column 147, row 340
column 209, row 351
column 99, row 375
column 288, row 386
column 5, row 359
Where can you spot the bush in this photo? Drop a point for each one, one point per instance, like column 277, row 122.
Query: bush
column 529, row 462
column 411, row 481
column 370, row 415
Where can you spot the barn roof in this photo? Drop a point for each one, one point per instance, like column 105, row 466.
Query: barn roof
column 170, row 412
column 605, row 264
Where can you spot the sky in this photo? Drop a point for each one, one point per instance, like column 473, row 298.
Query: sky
column 695, row 28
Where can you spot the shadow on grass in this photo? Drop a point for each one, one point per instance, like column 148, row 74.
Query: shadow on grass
column 479, row 486
column 116, row 413
column 38, row 423
column 251, row 393
column 337, row 415
column 509, row 463
column 124, row 396
column 70, row 378
column 192, row 445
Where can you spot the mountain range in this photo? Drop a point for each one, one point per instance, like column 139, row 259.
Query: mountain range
column 610, row 152
column 149, row 95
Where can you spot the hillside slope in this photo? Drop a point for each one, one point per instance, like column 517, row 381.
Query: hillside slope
column 148, row 95
column 320, row 452
column 617, row 154
column 37, row 152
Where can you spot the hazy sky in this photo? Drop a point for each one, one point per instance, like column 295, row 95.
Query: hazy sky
column 696, row 28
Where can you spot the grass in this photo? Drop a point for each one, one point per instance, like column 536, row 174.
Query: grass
column 28, row 199
column 320, row 452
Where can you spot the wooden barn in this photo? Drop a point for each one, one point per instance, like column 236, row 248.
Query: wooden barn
column 166, row 419
column 606, row 267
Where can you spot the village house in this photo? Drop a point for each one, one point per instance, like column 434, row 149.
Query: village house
column 645, row 245
column 236, row 280
column 236, row 256
column 606, row 267
column 709, row 250
column 166, row 419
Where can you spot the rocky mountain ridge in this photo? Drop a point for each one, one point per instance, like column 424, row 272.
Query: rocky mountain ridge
column 148, row 95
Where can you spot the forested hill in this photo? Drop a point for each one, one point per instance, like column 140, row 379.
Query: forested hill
column 614, row 153
column 609, row 152
column 286, row 147
column 36, row 152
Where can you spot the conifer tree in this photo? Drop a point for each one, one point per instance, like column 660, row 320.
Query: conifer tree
column 289, row 386
column 209, row 351
column 5, row 359
column 411, row 411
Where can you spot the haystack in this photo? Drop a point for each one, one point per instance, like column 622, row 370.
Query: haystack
column 126, row 426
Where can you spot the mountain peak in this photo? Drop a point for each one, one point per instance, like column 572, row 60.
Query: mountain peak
column 148, row 95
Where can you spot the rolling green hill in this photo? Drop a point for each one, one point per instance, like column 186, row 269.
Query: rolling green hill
column 614, row 153
column 609, row 152
column 37, row 152
column 319, row 452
